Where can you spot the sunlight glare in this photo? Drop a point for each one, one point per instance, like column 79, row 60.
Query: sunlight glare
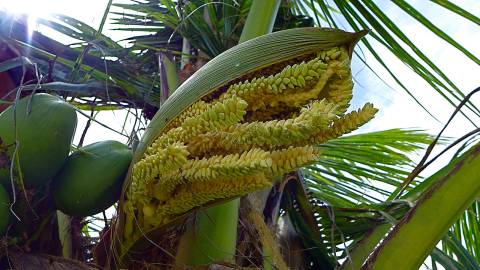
column 31, row 8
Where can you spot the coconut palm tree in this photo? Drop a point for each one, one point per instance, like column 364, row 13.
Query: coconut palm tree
column 322, row 209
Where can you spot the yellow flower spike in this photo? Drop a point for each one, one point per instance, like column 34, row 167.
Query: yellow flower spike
column 344, row 125
column 266, row 135
column 317, row 113
column 210, row 169
column 170, row 137
column 294, row 98
column 339, row 88
column 291, row 77
column 195, row 194
column 292, row 158
column 232, row 111
column 154, row 165
column 196, row 109
column 169, row 158
column 219, row 115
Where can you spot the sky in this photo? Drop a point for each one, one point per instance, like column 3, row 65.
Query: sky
column 397, row 109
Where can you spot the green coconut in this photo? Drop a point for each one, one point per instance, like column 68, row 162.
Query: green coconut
column 91, row 179
column 45, row 126
column 4, row 210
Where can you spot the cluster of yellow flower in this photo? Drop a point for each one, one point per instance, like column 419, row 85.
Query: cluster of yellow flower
column 225, row 147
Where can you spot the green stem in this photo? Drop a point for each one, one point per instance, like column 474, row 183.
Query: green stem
column 260, row 20
column 414, row 237
column 213, row 236
column 64, row 233
column 267, row 259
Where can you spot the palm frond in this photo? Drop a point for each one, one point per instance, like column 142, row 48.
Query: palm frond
column 465, row 234
column 328, row 232
column 363, row 168
column 458, row 10
column 459, row 247
column 211, row 27
column 117, row 74
column 339, row 199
